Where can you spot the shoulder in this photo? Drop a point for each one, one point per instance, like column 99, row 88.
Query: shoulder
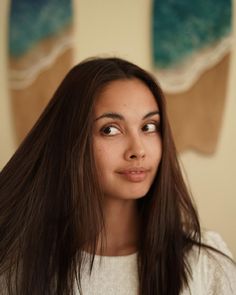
column 212, row 272
column 213, row 239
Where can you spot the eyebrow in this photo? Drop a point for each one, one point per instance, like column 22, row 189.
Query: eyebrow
column 118, row 116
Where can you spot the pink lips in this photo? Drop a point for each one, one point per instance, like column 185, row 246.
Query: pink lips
column 136, row 174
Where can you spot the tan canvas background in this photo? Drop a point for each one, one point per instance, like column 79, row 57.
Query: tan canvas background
column 28, row 103
column 196, row 114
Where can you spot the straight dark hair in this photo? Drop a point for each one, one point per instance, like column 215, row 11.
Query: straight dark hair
column 51, row 201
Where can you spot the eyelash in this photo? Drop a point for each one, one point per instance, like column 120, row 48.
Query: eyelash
column 157, row 128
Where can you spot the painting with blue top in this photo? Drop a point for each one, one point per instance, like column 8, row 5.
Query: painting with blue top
column 183, row 27
column 32, row 21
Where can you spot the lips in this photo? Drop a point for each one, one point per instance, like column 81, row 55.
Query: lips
column 134, row 174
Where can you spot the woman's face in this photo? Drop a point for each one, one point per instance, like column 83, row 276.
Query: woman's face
column 126, row 139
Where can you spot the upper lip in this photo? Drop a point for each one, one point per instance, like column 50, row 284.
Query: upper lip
column 133, row 169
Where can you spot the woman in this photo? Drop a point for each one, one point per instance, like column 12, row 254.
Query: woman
column 93, row 201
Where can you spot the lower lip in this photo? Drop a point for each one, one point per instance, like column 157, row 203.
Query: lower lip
column 134, row 177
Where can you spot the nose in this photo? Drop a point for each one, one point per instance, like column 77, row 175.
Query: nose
column 135, row 149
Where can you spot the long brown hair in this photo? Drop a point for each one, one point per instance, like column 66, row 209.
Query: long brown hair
column 51, row 203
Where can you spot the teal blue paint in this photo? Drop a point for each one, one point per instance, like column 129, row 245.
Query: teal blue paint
column 181, row 27
column 34, row 20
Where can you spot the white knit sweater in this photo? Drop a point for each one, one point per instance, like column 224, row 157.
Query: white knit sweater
column 212, row 273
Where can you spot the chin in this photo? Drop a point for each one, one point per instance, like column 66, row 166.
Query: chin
column 128, row 193
column 136, row 195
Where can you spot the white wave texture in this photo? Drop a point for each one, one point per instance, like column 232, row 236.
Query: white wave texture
column 39, row 62
column 183, row 77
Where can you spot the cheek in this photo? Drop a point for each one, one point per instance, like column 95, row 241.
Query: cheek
column 106, row 154
column 99, row 156
column 155, row 150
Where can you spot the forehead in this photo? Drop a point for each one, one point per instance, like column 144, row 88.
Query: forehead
column 126, row 96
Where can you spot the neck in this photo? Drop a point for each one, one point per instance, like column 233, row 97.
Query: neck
column 121, row 228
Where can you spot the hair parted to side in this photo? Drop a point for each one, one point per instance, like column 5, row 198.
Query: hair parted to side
column 51, row 201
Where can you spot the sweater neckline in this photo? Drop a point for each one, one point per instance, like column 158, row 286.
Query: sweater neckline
column 123, row 257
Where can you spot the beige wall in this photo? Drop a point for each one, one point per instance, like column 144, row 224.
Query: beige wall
column 122, row 28
column 6, row 134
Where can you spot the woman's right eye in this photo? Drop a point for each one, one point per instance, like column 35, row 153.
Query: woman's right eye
column 110, row 131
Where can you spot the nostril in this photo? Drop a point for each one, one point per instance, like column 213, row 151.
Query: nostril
column 133, row 157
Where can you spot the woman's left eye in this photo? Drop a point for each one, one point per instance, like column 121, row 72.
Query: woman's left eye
column 150, row 127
